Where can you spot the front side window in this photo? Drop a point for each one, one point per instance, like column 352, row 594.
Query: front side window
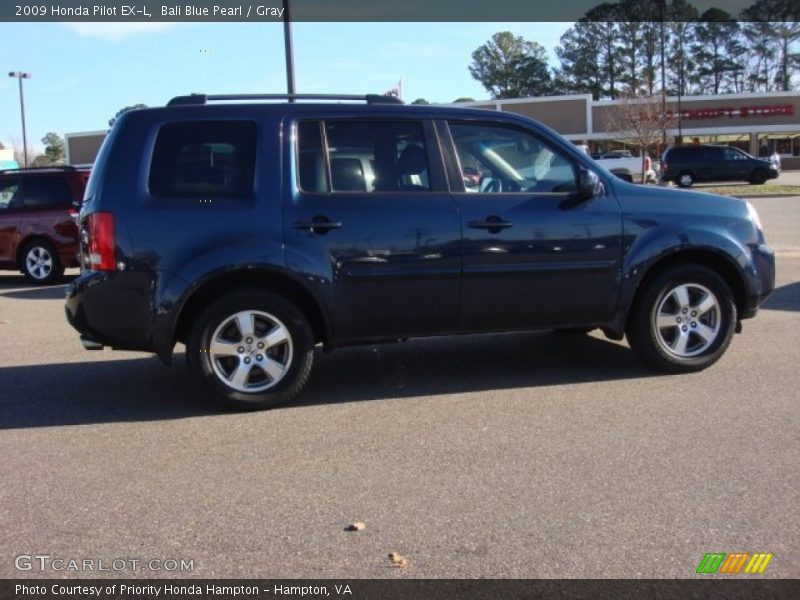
column 500, row 159
column 362, row 157
column 204, row 158
column 734, row 154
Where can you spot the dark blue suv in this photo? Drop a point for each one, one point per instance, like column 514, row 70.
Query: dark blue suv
column 252, row 229
column 687, row 165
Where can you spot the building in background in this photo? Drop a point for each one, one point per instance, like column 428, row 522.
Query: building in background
column 7, row 158
column 757, row 123
column 82, row 147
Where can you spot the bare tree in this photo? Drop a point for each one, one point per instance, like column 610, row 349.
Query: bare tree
column 17, row 146
column 642, row 120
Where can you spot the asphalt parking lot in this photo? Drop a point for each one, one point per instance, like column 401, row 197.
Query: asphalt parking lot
column 524, row 455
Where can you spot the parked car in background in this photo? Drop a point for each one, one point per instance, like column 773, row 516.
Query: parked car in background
column 627, row 167
column 38, row 214
column 220, row 222
column 699, row 163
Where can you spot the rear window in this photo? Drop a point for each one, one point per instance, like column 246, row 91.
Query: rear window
column 8, row 190
column 204, row 158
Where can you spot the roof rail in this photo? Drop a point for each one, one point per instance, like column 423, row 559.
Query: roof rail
column 205, row 98
column 48, row 168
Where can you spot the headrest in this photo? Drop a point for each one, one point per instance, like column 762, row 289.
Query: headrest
column 412, row 160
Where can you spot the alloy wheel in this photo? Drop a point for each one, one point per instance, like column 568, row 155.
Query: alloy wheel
column 687, row 320
column 39, row 262
column 251, row 351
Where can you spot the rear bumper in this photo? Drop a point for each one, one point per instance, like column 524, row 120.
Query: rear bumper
column 110, row 309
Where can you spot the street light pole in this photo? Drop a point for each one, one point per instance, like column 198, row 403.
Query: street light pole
column 20, row 75
column 663, row 81
column 287, row 41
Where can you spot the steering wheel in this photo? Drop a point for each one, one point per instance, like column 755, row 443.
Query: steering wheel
column 491, row 185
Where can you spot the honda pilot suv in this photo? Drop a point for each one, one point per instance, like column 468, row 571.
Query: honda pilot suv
column 252, row 229
column 38, row 208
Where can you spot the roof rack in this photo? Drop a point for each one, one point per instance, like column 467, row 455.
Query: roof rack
column 196, row 99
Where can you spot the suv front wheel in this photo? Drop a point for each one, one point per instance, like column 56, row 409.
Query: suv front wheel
column 684, row 320
column 254, row 349
column 757, row 177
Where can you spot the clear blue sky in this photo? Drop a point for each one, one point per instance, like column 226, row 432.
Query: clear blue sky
column 84, row 72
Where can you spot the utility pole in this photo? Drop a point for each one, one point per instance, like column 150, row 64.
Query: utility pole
column 287, row 41
column 662, row 4
column 20, row 75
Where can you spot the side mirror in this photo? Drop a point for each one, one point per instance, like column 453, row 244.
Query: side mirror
column 589, row 185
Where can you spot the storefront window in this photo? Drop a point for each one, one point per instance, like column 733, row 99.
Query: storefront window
column 787, row 144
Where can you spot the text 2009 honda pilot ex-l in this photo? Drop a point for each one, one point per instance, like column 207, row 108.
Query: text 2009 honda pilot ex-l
column 252, row 229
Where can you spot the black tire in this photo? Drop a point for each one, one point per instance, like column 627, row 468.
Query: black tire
column 625, row 177
column 294, row 357
column 661, row 346
column 685, row 179
column 758, row 177
column 40, row 264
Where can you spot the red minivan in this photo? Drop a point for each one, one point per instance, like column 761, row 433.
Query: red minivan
column 38, row 211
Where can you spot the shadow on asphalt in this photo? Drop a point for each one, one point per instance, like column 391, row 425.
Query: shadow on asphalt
column 786, row 297
column 21, row 288
column 142, row 389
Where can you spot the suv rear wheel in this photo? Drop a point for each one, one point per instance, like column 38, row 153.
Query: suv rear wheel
column 40, row 263
column 684, row 320
column 254, row 349
column 685, row 179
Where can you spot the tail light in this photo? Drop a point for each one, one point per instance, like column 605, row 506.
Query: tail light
column 648, row 164
column 74, row 213
column 99, row 241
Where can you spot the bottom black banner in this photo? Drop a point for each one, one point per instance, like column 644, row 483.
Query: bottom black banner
column 397, row 589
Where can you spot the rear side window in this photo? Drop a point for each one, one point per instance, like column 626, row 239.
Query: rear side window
column 204, row 158
column 678, row 155
column 362, row 156
column 43, row 191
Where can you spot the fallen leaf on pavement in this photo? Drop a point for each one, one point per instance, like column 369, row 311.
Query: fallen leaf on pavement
column 398, row 560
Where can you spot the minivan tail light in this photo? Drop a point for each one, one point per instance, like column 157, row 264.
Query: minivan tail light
column 102, row 241
column 648, row 164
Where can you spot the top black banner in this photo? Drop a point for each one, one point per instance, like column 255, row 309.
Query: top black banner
column 396, row 10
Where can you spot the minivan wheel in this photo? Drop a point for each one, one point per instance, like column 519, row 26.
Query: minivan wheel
column 254, row 349
column 40, row 263
column 684, row 320
column 685, row 179
column 758, row 177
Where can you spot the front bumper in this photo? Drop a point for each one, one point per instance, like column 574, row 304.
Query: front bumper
column 763, row 279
